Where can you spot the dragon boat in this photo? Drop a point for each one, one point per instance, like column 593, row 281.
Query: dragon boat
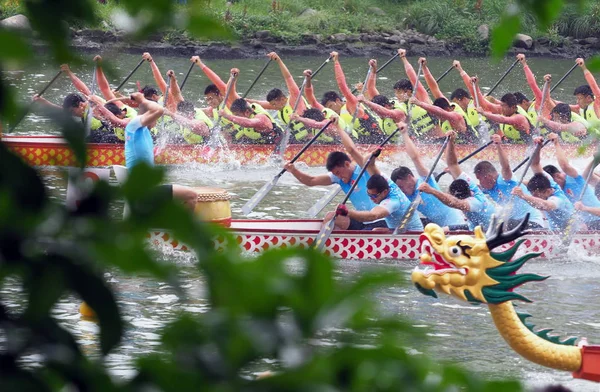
column 480, row 269
column 54, row 151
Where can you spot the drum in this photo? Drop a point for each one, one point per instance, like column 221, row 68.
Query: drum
column 213, row 205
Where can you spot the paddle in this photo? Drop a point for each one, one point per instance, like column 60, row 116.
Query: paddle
column 253, row 202
column 524, row 161
column 166, row 98
column 88, row 110
column 570, row 228
column 262, row 71
column 187, row 75
column 327, row 229
column 24, row 113
column 477, row 151
column 280, row 149
column 130, row 75
column 502, row 78
column 320, row 67
column 412, row 208
column 214, row 139
column 379, row 69
column 483, row 127
column 442, row 76
column 564, row 77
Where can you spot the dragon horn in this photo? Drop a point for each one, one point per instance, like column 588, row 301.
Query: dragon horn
column 497, row 236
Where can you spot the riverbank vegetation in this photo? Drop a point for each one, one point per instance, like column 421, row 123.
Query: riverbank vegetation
column 465, row 22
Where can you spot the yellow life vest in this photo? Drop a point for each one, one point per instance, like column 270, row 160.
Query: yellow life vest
column 514, row 135
column 388, row 126
column 365, row 128
column 190, row 136
column 298, row 129
column 420, row 121
column 589, row 114
column 120, row 132
column 470, row 136
column 246, row 134
column 568, row 137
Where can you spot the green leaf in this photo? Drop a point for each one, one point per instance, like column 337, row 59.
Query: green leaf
column 204, row 26
column 504, row 33
column 546, row 11
column 45, row 286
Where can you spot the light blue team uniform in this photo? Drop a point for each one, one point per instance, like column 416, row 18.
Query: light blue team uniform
column 559, row 217
column 480, row 209
column 433, row 209
column 396, row 203
column 573, row 188
column 501, row 194
column 139, row 146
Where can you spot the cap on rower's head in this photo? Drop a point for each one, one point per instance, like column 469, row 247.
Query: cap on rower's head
column 460, row 93
column 401, row 173
column 381, row 100
column 313, row 114
column 275, row 94
column 584, row 90
column 114, row 109
column 336, row 159
column 460, row 189
column 186, row 108
column 72, row 101
column 330, row 96
column 442, row 103
column 403, row 84
column 509, row 99
column 149, row 91
column 211, row 89
column 520, row 97
column 240, row 105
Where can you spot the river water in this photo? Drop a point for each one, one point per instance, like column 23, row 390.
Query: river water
column 458, row 332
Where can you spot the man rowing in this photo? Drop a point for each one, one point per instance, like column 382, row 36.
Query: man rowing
column 588, row 96
column 546, row 194
column 343, row 171
column 172, row 100
column 573, row 183
column 569, row 125
column 464, row 194
column 499, row 186
column 331, row 104
column 430, row 207
column 277, row 100
column 513, row 125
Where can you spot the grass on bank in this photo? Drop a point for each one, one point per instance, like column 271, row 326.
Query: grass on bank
column 451, row 20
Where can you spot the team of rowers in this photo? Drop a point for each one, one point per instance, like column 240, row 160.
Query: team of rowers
column 379, row 201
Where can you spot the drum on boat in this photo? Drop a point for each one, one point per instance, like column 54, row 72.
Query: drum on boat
column 213, row 205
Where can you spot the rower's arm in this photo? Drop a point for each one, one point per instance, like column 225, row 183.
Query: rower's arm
column 540, row 204
column 371, row 89
column 104, row 86
column 412, row 76
column 589, row 78
column 351, row 147
column 174, row 92
column 433, row 85
column 572, row 127
column 537, row 92
column 451, row 160
column 292, row 87
column 394, row 114
column 153, row 113
column 449, row 200
column 376, row 213
column 591, row 210
column 307, row 179
column 309, row 122
column 503, row 158
column 351, row 101
column 536, row 165
column 309, row 93
column 562, row 159
column 586, row 172
column 196, row 126
column 259, row 122
column 110, row 117
column 516, row 120
column 158, row 78
column 438, row 112
column 79, row 85
column 264, row 104
column 465, row 77
column 485, row 104
column 413, row 154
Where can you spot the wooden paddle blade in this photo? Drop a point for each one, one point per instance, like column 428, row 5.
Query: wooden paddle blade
column 322, row 202
column 324, row 234
column 570, row 230
column 409, row 214
column 258, row 196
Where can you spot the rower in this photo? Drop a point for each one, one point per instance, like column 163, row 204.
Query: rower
column 313, row 120
column 76, row 106
column 546, row 194
column 344, row 172
column 499, row 187
column 513, row 125
column 432, row 209
column 463, row 98
column 139, row 147
column 530, row 108
column 194, row 126
column 112, row 114
column 109, row 94
column 329, row 108
column 256, row 125
column 572, row 127
column 277, row 100
column 464, row 194
column 588, row 96
column 572, row 183
column 366, row 127
column 450, row 118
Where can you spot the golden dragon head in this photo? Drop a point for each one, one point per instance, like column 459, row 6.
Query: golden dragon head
column 465, row 267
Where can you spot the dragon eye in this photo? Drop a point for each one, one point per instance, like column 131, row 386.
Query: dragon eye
column 455, row 251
